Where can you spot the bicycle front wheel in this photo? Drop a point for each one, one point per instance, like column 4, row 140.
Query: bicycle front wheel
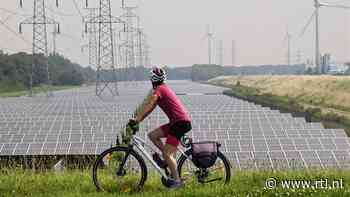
column 119, row 169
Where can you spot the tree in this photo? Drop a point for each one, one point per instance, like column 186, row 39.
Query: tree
column 15, row 71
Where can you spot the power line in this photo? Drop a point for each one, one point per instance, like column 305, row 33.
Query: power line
column 61, row 14
column 9, row 11
column 13, row 12
column 77, row 8
column 14, row 32
column 70, row 37
column 14, row 50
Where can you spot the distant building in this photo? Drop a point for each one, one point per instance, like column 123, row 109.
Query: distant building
column 337, row 69
column 325, row 64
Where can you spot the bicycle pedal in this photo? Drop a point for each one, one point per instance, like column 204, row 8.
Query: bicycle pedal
column 161, row 163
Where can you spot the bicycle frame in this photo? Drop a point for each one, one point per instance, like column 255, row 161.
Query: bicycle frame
column 140, row 144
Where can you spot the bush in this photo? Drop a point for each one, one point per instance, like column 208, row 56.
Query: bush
column 331, row 116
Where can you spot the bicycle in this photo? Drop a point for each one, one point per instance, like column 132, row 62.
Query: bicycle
column 122, row 168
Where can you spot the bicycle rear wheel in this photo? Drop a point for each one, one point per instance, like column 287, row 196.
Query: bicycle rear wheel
column 220, row 172
column 119, row 169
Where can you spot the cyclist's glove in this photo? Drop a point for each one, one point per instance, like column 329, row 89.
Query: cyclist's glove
column 131, row 128
column 134, row 125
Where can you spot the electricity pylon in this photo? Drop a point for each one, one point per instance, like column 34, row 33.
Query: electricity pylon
column 39, row 20
column 106, row 68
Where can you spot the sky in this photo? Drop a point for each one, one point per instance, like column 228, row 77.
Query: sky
column 176, row 30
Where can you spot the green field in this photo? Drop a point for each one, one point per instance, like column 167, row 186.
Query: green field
column 244, row 183
column 324, row 98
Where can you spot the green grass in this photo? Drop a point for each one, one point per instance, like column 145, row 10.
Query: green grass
column 329, row 119
column 244, row 183
column 18, row 91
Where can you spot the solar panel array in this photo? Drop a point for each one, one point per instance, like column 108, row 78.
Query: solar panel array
column 75, row 122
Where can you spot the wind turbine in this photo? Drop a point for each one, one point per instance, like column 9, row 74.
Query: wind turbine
column 318, row 5
column 288, row 39
column 210, row 37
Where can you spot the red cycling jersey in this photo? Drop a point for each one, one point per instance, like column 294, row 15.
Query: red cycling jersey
column 171, row 104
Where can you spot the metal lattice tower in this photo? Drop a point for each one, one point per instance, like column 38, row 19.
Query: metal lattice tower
column 54, row 41
column 106, row 68
column 92, row 31
column 129, row 44
column 39, row 20
column 130, row 36
column 146, row 54
column 141, row 42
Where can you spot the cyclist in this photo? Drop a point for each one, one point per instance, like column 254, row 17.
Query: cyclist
column 179, row 123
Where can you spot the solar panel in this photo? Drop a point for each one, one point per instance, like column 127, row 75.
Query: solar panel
column 343, row 158
column 327, row 158
column 311, row 159
column 76, row 149
column 49, row 148
column 278, row 160
column 21, row 149
column 62, row 148
column 76, row 122
column 8, row 149
column 263, row 160
column 246, row 160
column 5, row 138
column 89, row 148
column 35, row 149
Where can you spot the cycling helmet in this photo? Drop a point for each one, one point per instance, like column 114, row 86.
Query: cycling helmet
column 157, row 75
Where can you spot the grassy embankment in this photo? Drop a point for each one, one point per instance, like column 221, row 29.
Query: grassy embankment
column 322, row 98
column 244, row 183
column 16, row 90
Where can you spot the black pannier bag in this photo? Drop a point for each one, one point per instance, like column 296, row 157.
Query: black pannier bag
column 204, row 154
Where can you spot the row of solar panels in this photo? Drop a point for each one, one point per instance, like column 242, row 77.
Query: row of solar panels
column 213, row 116
column 67, row 120
column 197, row 123
column 57, row 126
column 262, row 121
column 228, row 113
column 112, row 108
column 93, row 120
column 239, row 159
column 290, row 159
column 105, row 136
column 93, row 148
column 61, row 125
column 198, row 133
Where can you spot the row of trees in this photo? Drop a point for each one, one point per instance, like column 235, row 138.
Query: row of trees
column 205, row 72
column 142, row 73
column 15, row 71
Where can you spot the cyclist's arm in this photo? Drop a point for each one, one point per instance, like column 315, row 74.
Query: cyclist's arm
column 148, row 108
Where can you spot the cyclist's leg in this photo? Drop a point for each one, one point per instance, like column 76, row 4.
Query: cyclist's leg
column 156, row 135
column 175, row 133
column 168, row 154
